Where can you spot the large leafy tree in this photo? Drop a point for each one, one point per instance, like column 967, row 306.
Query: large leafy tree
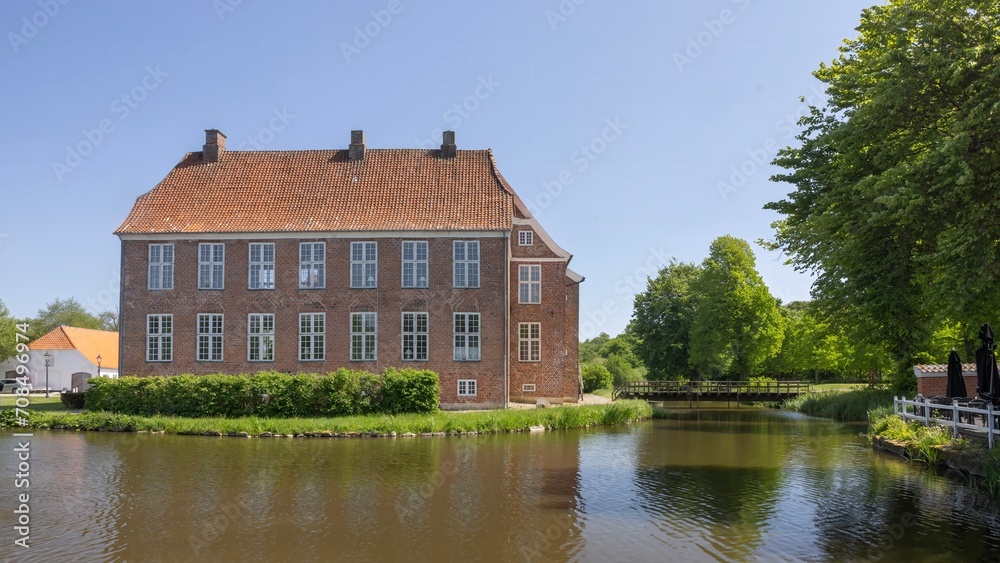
column 8, row 331
column 67, row 312
column 737, row 324
column 894, row 207
column 661, row 321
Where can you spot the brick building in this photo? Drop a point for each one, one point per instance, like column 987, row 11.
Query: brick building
column 308, row 261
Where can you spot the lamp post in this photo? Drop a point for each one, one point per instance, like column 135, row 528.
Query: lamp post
column 98, row 365
column 48, row 362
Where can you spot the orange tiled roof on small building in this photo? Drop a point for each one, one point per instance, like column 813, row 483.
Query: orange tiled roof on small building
column 89, row 342
column 942, row 368
column 325, row 190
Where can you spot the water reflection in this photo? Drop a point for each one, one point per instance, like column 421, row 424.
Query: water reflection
column 734, row 485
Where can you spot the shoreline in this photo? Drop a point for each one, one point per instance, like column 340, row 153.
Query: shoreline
column 441, row 423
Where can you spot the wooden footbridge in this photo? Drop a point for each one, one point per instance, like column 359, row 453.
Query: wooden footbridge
column 695, row 391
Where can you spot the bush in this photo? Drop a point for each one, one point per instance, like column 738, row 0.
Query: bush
column 341, row 393
column 850, row 405
column 595, row 376
column 621, row 370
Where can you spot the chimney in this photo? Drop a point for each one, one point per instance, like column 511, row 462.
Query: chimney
column 215, row 145
column 356, row 151
column 448, row 144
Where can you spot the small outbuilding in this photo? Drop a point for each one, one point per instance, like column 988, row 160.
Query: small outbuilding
column 74, row 356
column 932, row 379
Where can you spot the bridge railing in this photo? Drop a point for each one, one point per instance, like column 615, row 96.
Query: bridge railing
column 702, row 388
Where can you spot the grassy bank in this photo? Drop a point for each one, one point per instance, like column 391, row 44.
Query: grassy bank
column 935, row 445
column 844, row 406
column 622, row 412
column 37, row 402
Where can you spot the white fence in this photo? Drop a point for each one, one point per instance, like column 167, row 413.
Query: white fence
column 955, row 416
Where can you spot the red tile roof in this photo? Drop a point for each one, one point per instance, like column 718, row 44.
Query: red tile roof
column 301, row 191
column 89, row 342
column 942, row 368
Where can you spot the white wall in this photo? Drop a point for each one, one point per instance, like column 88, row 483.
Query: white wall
column 64, row 364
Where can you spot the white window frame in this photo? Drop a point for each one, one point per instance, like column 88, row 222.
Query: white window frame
column 416, row 334
column 263, row 337
column 211, row 336
column 364, row 262
column 529, row 348
column 263, row 267
column 467, row 387
column 312, row 337
column 528, row 388
column 312, row 272
column 462, row 353
column 360, row 338
column 526, row 238
column 212, row 266
column 163, row 337
column 463, row 267
column 415, row 266
column 163, row 268
column 529, row 286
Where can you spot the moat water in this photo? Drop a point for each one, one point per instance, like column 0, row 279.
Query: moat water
column 709, row 485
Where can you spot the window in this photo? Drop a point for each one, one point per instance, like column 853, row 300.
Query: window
column 161, row 266
column 530, row 286
column 261, row 265
column 525, row 238
column 312, row 336
column 312, row 265
column 260, row 336
column 467, row 336
column 209, row 337
column 159, row 338
column 211, row 266
column 414, row 337
column 528, row 388
column 529, row 342
column 363, row 337
column 414, row 264
column 466, row 258
column 466, row 387
column 364, row 264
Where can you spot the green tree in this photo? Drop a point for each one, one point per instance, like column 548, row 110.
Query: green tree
column 661, row 321
column 622, row 345
column 590, row 348
column 737, row 324
column 596, row 376
column 895, row 176
column 620, row 369
column 60, row 312
column 8, row 330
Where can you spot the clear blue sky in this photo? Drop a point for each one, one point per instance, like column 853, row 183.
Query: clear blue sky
column 692, row 98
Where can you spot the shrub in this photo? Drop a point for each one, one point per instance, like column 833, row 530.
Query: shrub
column 621, row 370
column 850, row 405
column 267, row 394
column 595, row 376
column 72, row 400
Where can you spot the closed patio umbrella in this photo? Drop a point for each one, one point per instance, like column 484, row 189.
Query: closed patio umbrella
column 986, row 366
column 956, row 383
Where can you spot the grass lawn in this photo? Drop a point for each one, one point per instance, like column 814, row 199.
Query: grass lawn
column 606, row 393
column 836, row 387
column 621, row 412
column 38, row 403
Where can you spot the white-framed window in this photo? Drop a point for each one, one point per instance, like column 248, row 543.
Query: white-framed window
column 210, row 337
column 465, row 255
column 211, row 266
column 528, row 388
column 161, row 266
column 525, row 238
column 529, row 342
column 466, row 387
column 260, row 337
column 159, row 338
column 364, row 337
column 530, row 283
column 466, row 333
column 312, row 337
column 414, row 263
column 364, row 264
column 414, row 337
column 312, row 265
column 261, row 265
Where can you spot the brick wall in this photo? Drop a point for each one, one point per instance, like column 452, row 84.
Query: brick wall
column 337, row 301
column 931, row 386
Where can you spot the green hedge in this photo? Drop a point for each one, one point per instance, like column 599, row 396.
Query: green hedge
column 267, row 394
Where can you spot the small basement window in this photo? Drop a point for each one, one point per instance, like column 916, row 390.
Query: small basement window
column 528, row 388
